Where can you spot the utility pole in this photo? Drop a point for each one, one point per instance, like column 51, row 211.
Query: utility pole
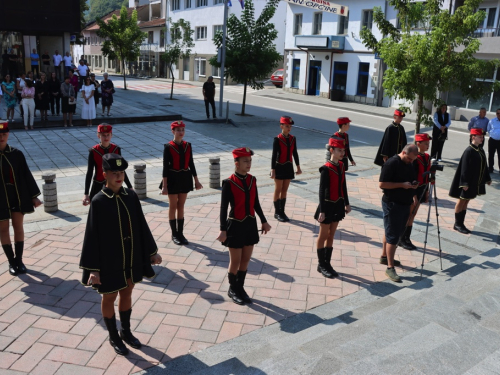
column 223, row 57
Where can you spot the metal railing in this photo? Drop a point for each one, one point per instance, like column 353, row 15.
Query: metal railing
column 487, row 32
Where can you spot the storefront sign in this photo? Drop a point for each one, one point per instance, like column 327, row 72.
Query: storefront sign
column 322, row 5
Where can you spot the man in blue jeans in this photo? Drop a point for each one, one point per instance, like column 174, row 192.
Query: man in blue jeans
column 398, row 180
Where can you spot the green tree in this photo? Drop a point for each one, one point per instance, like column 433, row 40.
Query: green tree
column 84, row 7
column 432, row 52
column 99, row 8
column 181, row 42
column 122, row 38
column 250, row 51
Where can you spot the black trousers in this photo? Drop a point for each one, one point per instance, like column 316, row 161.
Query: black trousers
column 57, row 70
column 34, row 68
column 55, row 101
column 212, row 102
column 437, row 145
column 493, row 146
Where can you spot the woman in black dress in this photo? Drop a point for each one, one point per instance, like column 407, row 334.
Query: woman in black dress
column 239, row 231
column 55, row 95
column 42, row 91
column 178, row 174
column 18, row 196
column 107, row 91
column 284, row 147
column 470, row 179
column 118, row 250
column 333, row 205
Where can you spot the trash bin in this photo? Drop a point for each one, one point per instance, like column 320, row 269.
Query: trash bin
column 337, row 95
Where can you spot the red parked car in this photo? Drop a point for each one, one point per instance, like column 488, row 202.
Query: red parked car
column 277, row 78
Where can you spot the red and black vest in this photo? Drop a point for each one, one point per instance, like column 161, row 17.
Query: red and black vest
column 181, row 156
column 99, row 152
column 244, row 191
column 345, row 137
column 287, row 145
column 337, row 176
column 423, row 163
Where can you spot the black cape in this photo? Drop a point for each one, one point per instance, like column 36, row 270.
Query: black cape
column 392, row 143
column 13, row 160
column 473, row 172
column 103, row 248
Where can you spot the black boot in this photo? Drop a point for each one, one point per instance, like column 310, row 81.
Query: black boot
column 328, row 260
column 125, row 333
column 459, row 223
column 9, row 253
column 114, row 339
column 19, row 248
column 409, row 244
column 240, row 278
column 180, row 231
column 282, row 206
column 277, row 211
column 321, row 264
column 463, row 213
column 234, row 289
column 175, row 236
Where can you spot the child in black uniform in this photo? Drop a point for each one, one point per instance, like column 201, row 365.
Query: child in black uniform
column 18, row 196
column 178, row 174
column 118, row 250
column 104, row 133
column 333, row 205
column 284, row 146
column 344, row 124
column 239, row 231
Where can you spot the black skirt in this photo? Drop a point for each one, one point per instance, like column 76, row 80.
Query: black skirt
column 66, row 107
column 179, row 182
column 284, row 171
column 345, row 161
column 241, row 233
column 334, row 212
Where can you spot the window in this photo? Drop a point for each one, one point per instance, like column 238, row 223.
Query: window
column 150, row 37
column 363, row 77
column 176, row 4
column 489, row 21
column 343, row 24
column 201, row 33
column 201, row 3
column 317, row 19
column 295, row 72
column 217, row 29
column 162, row 38
column 367, row 19
column 200, row 65
column 100, row 61
column 297, row 24
column 218, row 2
column 188, row 4
column 216, row 71
column 340, row 75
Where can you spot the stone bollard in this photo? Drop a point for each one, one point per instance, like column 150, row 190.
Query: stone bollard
column 140, row 180
column 214, row 173
column 50, row 192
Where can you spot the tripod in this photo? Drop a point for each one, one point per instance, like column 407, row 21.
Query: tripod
column 432, row 190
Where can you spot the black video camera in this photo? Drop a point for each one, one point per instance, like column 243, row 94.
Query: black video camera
column 436, row 167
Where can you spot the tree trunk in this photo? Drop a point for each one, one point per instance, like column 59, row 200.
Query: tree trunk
column 172, row 88
column 420, row 111
column 124, row 78
column 244, row 99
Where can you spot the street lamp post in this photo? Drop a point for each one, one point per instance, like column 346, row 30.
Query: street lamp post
column 223, row 56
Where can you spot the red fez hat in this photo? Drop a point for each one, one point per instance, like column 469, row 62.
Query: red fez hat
column 336, row 143
column 4, row 127
column 399, row 112
column 476, row 131
column 242, row 152
column 104, row 128
column 286, row 120
column 422, row 137
column 343, row 120
column 177, row 124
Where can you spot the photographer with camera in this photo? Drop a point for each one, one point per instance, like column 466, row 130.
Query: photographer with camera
column 422, row 166
column 393, row 141
column 398, row 180
column 442, row 122
column 470, row 178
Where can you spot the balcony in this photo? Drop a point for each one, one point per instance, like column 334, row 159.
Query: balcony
column 487, row 32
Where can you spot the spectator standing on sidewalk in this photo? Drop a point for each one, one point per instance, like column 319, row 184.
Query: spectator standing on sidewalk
column 45, row 67
column 480, row 121
column 20, row 83
column 494, row 141
column 18, row 196
column 10, row 97
column 442, row 122
column 28, row 103
column 68, row 62
column 118, row 250
column 209, row 96
column 107, row 91
column 393, row 141
column 57, row 59
column 68, row 101
column 55, row 95
column 399, row 183
column 83, row 72
column 35, row 62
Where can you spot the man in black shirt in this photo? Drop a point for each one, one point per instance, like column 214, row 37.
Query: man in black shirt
column 45, row 63
column 209, row 95
column 398, row 180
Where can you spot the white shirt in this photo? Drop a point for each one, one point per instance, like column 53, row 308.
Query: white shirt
column 57, row 59
column 82, row 69
column 22, row 83
column 68, row 60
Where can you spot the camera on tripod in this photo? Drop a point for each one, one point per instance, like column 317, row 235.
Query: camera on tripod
column 435, row 166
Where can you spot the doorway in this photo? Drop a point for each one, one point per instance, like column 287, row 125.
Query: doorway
column 314, row 78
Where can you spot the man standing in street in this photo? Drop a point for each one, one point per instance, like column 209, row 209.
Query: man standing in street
column 57, row 58
column 494, row 141
column 45, row 67
column 480, row 121
column 83, row 71
column 398, row 180
column 68, row 60
column 393, row 141
column 209, row 95
column 35, row 61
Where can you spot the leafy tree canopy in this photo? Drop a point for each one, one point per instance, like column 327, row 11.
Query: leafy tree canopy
column 99, row 8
